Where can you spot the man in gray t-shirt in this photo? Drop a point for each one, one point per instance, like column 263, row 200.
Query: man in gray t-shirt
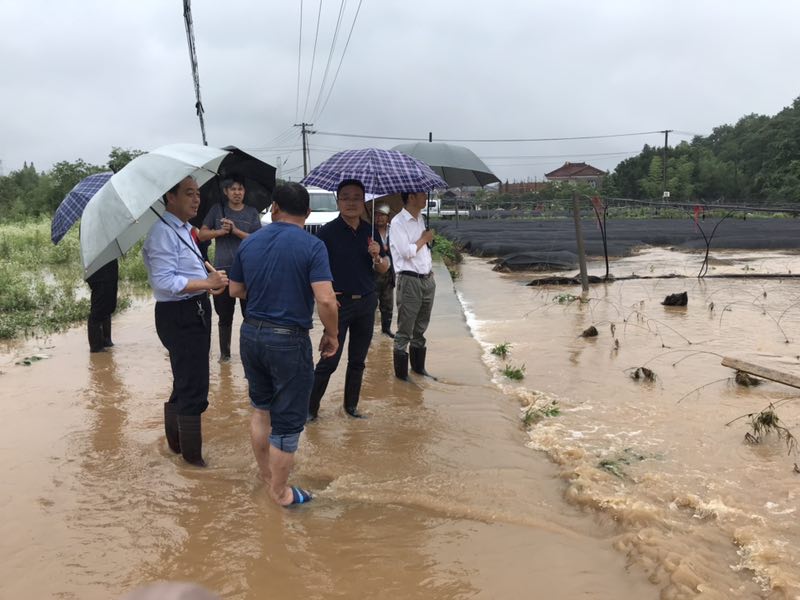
column 228, row 223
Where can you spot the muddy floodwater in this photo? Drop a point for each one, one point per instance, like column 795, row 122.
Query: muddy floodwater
column 615, row 488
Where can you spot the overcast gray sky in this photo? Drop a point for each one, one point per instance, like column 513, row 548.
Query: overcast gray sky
column 81, row 76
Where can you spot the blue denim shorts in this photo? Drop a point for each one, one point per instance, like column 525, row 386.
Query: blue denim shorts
column 279, row 369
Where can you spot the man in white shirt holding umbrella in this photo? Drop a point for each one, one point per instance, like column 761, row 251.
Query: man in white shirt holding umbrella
column 415, row 286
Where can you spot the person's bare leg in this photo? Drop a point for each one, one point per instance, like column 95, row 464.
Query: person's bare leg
column 280, row 465
column 260, row 427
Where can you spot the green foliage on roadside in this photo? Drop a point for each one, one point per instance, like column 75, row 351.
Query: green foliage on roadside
column 446, row 250
column 43, row 289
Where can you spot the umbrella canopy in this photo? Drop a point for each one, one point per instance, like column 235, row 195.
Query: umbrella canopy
column 381, row 171
column 258, row 178
column 119, row 214
column 457, row 165
column 71, row 207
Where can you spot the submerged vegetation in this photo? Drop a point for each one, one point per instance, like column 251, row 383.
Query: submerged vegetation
column 501, row 350
column 43, row 289
column 514, row 373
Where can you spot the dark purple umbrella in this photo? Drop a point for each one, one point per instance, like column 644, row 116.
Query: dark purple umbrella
column 71, row 207
column 382, row 172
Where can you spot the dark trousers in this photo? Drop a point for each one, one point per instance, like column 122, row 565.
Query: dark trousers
column 103, row 300
column 358, row 318
column 225, row 306
column 187, row 337
column 384, row 287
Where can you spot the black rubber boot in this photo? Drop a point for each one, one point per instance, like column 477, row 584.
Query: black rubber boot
column 352, row 392
column 171, row 427
column 386, row 325
column 418, row 361
column 401, row 364
column 225, row 343
column 191, row 439
column 95, row 330
column 317, row 391
column 107, row 343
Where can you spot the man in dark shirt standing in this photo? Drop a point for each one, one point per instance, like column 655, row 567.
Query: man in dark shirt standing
column 354, row 257
column 282, row 269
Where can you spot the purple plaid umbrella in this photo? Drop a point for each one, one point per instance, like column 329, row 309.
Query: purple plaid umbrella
column 71, row 207
column 382, row 172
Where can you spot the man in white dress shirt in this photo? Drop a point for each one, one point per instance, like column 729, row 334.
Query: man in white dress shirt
column 415, row 287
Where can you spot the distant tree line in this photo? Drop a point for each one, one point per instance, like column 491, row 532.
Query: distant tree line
column 757, row 159
column 30, row 193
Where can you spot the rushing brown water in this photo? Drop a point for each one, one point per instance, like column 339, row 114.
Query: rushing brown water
column 628, row 493
column 702, row 512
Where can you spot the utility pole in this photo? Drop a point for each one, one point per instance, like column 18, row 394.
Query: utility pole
column 664, row 193
column 305, row 132
column 576, row 215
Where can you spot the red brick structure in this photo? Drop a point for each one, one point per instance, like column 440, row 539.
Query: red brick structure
column 578, row 173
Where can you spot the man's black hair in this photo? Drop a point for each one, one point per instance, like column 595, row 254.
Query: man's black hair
column 404, row 197
column 230, row 180
column 174, row 189
column 292, row 198
column 346, row 182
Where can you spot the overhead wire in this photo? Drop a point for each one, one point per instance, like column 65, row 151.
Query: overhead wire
column 550, row 139
column 313, row 60
column 341, row 60
column 342, row 6
column 299, row 61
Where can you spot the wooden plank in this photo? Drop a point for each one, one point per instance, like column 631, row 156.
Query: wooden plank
column 760, row 370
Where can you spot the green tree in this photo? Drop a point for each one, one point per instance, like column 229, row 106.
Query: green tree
column 119, row 157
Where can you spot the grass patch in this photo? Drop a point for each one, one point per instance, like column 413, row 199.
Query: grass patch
column 501, row 350
column 43, row 289
column 514, row 373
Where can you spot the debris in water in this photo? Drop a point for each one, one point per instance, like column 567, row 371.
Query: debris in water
column 681, row 299
column 746, row 379
column 643, row 373
column 589, row 332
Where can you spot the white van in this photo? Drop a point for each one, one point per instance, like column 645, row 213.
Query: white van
column 323, row 209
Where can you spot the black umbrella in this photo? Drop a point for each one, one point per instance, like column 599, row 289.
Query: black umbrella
column 258, row 178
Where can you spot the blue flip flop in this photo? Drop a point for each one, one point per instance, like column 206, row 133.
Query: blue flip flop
column 300, row 496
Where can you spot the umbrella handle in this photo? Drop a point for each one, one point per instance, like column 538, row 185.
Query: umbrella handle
column 211, row 269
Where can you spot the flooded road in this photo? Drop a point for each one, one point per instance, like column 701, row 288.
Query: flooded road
column 436, row 495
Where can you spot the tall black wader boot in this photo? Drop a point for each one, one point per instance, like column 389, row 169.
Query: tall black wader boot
column 401, row 364
column 95, row 331
column 171, row 427
column 225, row 342
column 317, row 391
column 191, row 439
column 352, row 392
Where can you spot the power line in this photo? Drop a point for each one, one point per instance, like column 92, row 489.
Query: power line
column 313, row 59
column 330, row 58
column 560, row 155
column 551, row 139
column 299, row 57
column 341, row 60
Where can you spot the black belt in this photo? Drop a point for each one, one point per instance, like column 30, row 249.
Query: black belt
column 258, row 324
column 347, row 296
column 417, row 275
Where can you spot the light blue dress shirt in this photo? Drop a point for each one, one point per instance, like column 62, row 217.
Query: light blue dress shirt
column 169, row 261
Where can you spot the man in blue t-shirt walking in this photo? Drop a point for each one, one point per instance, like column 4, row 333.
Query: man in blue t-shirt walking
column 281, row 269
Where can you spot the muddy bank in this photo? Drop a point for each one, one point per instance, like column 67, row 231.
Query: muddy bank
column 550, row 244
